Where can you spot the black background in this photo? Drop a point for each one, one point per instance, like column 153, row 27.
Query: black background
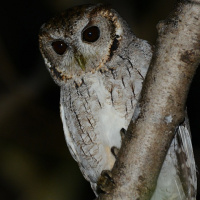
column 35, row 163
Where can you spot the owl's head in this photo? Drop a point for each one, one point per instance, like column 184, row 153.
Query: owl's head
column 82, row 40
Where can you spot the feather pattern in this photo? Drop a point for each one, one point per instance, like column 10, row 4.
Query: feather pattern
column 177, row 179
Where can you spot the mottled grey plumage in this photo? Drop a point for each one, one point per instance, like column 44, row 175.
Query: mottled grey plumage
column 100, row 66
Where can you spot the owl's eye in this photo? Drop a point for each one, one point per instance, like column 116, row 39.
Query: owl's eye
column 59, row 47
column 91, row 34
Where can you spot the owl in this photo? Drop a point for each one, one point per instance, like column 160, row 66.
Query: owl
column 100, row 66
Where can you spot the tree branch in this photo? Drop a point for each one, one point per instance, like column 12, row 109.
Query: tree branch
column 161, row 107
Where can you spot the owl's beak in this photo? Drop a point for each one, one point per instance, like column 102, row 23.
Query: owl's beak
column 81, row 61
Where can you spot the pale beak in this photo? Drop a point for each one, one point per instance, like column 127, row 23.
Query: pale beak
column 81, row 61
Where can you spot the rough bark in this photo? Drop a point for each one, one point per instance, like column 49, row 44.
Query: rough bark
column 162, row 104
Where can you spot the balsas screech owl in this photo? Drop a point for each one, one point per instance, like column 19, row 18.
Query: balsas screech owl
column 100, row 66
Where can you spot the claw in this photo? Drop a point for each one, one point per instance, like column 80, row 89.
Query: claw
column 122, row 133
column 115, row 151
column 105, row 182
column 108, row 175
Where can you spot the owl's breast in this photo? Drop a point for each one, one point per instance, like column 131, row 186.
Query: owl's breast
column 92, row 122
column 93, row 113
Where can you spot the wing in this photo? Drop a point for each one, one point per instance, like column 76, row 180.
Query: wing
column 185, row 160
column 68, row 136
column 177, row 179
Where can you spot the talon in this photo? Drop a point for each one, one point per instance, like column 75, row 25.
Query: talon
column 105, row 182
column 107, row 174
column 115, row 151
column 122, row 133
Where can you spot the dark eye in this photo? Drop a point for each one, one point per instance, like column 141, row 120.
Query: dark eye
column 59, row 47
column 91, row 34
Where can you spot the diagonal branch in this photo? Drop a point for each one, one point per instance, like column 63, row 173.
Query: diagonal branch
column 162, row 104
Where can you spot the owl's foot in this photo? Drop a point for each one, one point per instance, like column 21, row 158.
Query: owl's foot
column 105, row 182
column 115, row 151
column 122, row 133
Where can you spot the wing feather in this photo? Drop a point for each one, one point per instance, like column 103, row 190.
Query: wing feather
column 177, row 179
column 185, row 160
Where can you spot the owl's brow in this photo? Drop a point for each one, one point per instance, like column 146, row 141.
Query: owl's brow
column 44, row 33
column 100, row 8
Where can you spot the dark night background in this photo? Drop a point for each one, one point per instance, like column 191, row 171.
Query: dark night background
column 35, row 163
